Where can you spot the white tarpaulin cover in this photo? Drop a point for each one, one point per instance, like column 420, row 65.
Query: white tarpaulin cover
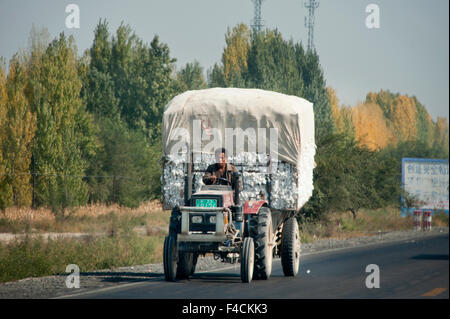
column 212, row 111
column 222, row 108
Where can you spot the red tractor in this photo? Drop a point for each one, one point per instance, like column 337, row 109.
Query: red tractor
column 214, row 221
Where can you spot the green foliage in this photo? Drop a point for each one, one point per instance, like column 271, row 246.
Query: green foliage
column 349, row 177
column 126, row 85
column 190, row 78
column 126, row 169
column 384, row 99
column 5, row 188
column 63, row 142
column 18, row 130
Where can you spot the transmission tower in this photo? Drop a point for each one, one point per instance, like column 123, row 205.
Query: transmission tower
column 257, row 22
column 311, row 5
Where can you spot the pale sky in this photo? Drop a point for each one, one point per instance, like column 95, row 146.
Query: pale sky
column 408, row 54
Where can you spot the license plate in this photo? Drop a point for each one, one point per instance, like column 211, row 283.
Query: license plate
column 206, row 202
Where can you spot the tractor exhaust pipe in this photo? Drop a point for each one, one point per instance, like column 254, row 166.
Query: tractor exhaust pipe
column 236, row 187
column 188, row 185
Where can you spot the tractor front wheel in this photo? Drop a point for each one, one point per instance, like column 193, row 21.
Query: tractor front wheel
column 247, row 260
column 170, row 259
column 186, row 264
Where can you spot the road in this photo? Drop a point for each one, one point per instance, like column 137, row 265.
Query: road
column 416, row 268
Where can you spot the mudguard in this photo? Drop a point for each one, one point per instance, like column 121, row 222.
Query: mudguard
column 253, row 206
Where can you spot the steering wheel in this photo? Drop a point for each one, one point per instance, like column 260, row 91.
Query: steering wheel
column 220, row 179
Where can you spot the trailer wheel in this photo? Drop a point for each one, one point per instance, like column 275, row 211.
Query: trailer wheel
column 262, row 234
column 247, row 260
column 170, row 257
column 290, row 247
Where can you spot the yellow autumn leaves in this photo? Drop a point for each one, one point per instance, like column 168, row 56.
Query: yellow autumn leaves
column 386, row 119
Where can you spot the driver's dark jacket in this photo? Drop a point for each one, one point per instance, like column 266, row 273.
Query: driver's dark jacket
column 213, row 169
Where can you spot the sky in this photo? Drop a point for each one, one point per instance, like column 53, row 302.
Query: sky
column 407, row 54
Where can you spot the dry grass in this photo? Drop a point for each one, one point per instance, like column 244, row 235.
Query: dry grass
column 116, row 236
column 97, row 210
column 368, row 222
column 91, row 218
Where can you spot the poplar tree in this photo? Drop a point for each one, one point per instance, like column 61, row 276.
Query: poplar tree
column 63, row 136
column 5, row 187
column 19, row 130
column 190, row 78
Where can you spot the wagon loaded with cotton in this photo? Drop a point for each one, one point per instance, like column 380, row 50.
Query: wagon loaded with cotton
column 269, row 138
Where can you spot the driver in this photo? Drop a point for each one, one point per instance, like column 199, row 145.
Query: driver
column 221, row 169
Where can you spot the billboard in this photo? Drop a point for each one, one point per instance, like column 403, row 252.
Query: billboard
column 426, row 180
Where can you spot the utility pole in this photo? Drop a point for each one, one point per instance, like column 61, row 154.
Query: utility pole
column 311, row 5
column 257, row 22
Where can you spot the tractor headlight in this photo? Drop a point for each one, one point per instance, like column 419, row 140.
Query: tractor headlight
column 212, row 219
column 197, row 219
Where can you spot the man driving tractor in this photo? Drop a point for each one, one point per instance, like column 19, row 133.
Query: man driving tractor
column 220, row 173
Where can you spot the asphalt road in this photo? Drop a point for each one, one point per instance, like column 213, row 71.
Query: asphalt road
column 407, row 269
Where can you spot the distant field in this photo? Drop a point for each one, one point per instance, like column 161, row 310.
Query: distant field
column 367, row 223
column 115, row 236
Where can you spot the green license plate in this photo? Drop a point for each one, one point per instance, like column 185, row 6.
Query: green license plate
column 206, row 202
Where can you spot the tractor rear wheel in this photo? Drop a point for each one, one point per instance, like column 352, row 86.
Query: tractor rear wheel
column 290, row 247
column 261, row 231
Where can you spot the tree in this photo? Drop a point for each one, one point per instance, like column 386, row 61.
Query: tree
column 19, row 130
column 441, row 136
column 101, row 51
column 235, row 55
column 349, row 177
column 5, row 187
column 342, row 115
column 404, row 118
column 142, row 80
column 190, row 78
column 315, row 91
column 126, row 85
column 125, row 170
column 370, row 127
column 63, row 141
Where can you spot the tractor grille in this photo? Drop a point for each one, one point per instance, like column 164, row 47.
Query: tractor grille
column 201, row 222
